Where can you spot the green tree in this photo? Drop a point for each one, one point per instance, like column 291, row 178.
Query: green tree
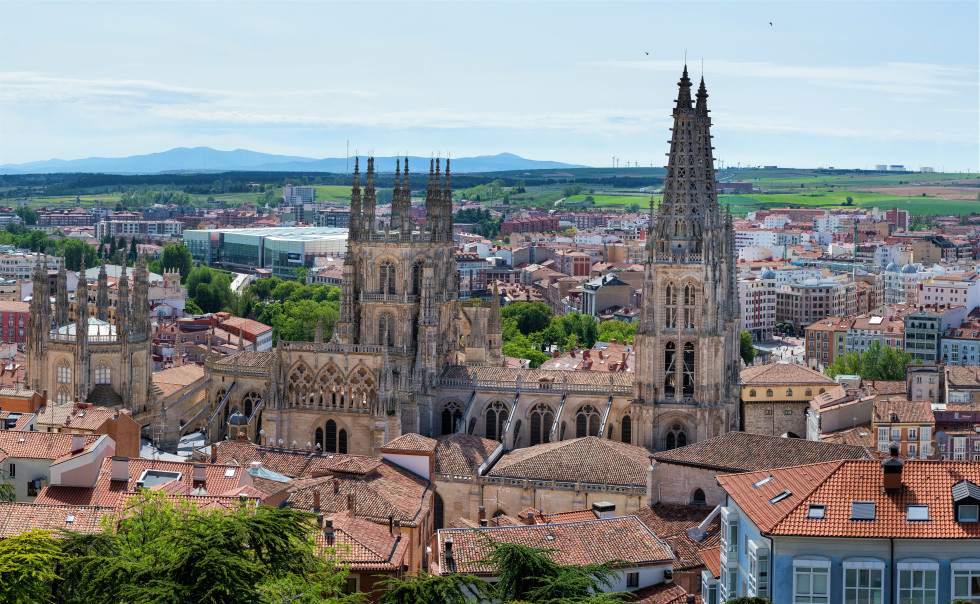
column 28, row 564
column 745, row 347
column 198, row 275
column 75, row 250
column 423, row 588
column 621, row 331
column 28, row 215
column 163, row 550
column 634, row 207
column 530, row 316
column 133, row 249
column 878, row 362
column 176, row 256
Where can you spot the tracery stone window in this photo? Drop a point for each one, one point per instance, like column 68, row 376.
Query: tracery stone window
column 675, row 437
column 386, row 278
column 386, row 330
column 671, row 301
column 417, row 278
column 541, row 419
column 249, row 401
column 670, row 368
column 688, row 369
column 495, row 418
column 451, row 416
column 103, row 374
column 64, row 373
column 64, row 397
column 587, row 421
column 689, row 306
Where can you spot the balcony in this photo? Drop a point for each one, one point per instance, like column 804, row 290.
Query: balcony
column 390, row 297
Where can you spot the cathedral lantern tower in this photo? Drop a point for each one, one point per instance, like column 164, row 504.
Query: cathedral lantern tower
column 686, row 384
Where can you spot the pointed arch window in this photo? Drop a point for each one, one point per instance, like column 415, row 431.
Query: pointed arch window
column 342, row 442
column 626, row 429
column 495, row 418
column 386, row 275
column 675, row 437
column 318, row 438
column 386, row 330
column 541, row 419
column 103, row 374
column 330, row 437
column 64, row 373
column 670, row 368
column 63, row 396
column 689, row 369
column 690, row 298
column 587, row 421
column 451, row 416
column 671, row 301
column 417, row 278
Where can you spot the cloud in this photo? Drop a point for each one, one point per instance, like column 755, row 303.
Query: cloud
column 900, row 78
column 22, row 88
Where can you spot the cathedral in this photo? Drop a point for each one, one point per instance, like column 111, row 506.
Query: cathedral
column 91, row 359
column 407, row 355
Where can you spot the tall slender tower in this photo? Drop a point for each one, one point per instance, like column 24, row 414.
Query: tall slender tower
column 83, row 360
column 102, row 295
column 686, row 385
column 38, row 326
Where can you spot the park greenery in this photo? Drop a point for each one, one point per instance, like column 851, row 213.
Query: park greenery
column 746, row 348
column 531, row 328
column 483, row 224
column 878, row 362
column 293, row 309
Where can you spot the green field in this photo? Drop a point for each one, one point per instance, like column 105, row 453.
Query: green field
column 742, row 204
column 332, row 193
column 615, row 201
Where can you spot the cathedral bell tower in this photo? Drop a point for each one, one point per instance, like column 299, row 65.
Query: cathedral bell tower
column 686, row 385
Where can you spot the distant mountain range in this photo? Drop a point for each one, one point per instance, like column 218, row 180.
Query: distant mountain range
column 199, row 159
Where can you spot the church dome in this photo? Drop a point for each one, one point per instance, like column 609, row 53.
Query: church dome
column 908, row 269
column 237, row 419
column 892, row 267
column 768, row 274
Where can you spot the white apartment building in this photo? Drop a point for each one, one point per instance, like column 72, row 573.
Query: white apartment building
column 20, row 265
column 955, row 289
column 138, row 228
column 775, row 221
column 760, row 237
column 754, row 253
column 292, row 194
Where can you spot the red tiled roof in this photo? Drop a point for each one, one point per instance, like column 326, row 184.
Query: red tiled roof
column 744, row 452
column 55, row 446
column 860, row 435
column 107, row 492
column 462, row 454
column 837, row 484
column 904, row 410
column 784, row 374
column 712, row 560
column 670, row 522
column 410, row 442
column 588, row 542
column 590, row 459
column 15, row 518
column 365, row 545
column 661, row 593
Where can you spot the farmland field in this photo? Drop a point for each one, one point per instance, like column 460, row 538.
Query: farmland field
column 614, row 201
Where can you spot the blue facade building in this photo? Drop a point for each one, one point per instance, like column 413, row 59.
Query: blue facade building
column 850, row 532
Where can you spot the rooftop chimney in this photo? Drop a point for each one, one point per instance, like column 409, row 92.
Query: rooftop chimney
column 351, row 510
column 604, row 509
column 336, row 486
column 892, row 468
column 481, row 515
column 328, row 533
column 119, row 469
column 77, row 443
column 316, row 501
column 200, row 473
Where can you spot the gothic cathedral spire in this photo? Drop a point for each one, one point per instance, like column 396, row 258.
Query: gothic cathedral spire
column 687, row 340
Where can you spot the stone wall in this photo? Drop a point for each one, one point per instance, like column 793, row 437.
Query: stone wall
column 776, row 418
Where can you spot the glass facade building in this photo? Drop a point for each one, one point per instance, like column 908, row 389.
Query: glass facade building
column 278, row 249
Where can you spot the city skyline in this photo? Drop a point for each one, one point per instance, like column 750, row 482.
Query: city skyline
column 792, row 84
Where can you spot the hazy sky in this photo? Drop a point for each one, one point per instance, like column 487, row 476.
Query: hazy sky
column 846, row 84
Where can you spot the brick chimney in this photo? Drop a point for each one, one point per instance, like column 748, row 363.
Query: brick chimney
column 892, row 469
column 316, row 500
column 200, row 473
column 328, row 532
column 482, row 515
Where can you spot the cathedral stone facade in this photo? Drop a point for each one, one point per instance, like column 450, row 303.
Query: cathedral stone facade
column 91, row 359
column 408, row 356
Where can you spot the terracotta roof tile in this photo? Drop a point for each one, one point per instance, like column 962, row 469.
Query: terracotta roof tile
column 837, row 484
column 744, row 452
column 902, row 410
column 365, row 545
column 712, row 560
column 55, row 446
column 860, row 435
column 463, row 454
column 662, row 593
column 589, row 459
column 588, row 542
column 70, row 416
column 173, row 379
column 248, row 359
column 410, row 442
column 670, row 522
column 784, row 374
column 15, row 518
column 963, row 376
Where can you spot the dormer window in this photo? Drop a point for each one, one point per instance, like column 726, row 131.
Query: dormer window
column 968, row 513
column 816, row 511
column 966, row 501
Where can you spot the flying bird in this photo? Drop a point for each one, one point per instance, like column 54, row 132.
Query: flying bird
column 647, row 54
column 770, row 24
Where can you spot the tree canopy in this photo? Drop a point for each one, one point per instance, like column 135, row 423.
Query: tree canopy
column 177, row 257
column 878, row 362
column 745, row 346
